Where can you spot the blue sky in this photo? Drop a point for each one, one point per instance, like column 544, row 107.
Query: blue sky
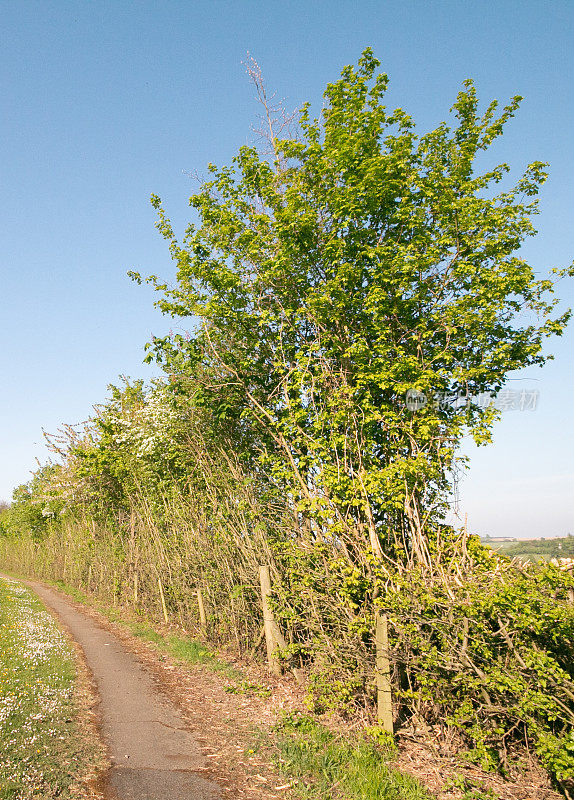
column 105, row 103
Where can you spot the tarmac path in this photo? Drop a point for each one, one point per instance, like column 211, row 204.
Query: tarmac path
column 153, row 754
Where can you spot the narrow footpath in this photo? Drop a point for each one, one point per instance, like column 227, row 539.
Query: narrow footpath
column 153, row 754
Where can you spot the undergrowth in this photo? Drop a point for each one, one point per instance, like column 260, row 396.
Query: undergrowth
column 323, row 764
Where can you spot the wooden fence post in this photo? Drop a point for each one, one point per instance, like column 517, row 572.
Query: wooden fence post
column 163, row 605
column 273, row 637
column 383, row 674
column 202, row 615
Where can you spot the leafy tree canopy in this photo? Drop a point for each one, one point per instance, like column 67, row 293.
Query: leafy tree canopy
column 355, row 261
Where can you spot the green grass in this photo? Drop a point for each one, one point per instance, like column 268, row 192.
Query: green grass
column 322, row 764
column 184, row 649
column 42, row 750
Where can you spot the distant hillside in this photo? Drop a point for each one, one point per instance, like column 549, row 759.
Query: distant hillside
column 535, row 549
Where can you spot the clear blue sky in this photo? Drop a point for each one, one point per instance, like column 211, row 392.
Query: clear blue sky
column 104, row 103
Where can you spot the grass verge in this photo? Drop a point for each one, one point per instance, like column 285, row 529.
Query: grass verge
column 322, row 764
column 43, row 751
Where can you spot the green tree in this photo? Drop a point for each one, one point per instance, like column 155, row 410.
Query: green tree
column 32, row 506
column 355, row 262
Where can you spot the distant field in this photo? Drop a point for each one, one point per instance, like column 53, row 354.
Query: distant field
column 535, row 549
